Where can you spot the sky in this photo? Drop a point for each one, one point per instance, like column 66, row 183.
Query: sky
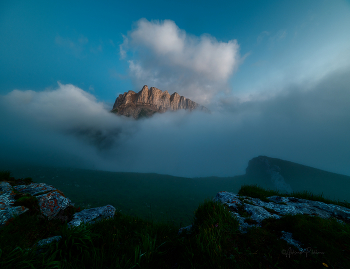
column 275, row 75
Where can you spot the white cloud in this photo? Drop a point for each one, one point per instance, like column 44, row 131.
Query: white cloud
column 62, row 109
column 162, row 37
column 308, row 127
column 180, row 62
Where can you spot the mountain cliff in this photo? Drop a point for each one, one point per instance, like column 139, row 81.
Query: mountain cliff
column 149, row 101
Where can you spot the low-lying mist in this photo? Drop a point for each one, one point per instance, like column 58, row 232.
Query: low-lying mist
column 67, row 126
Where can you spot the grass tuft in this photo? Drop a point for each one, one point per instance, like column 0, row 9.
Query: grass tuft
column 256, row 191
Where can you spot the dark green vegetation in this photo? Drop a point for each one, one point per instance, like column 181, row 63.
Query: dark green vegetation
column 215, row 242
column 149, row 196
column 169, row 198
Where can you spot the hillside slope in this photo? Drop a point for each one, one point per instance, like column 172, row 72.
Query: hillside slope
column 281, row 174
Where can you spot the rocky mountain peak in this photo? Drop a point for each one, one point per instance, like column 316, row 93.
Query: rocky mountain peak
column 149, row 101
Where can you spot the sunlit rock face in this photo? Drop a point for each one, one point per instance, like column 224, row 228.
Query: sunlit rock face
column 149, row 101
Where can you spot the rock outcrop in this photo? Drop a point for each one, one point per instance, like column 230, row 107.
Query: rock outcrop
column 52, row 203
column 149, row 101
column 251, row 212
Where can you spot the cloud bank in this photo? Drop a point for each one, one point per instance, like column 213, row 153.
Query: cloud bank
column 66, row 123
column 164, row 56
column 68, row 126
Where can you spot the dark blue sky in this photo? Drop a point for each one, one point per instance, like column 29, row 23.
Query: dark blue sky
column 78, row 42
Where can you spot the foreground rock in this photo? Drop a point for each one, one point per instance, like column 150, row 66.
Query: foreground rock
column 149, row 101
column 51, row 203
column 257, row 210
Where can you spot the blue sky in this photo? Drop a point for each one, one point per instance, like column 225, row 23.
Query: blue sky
column 78, row 42
column 275, row 74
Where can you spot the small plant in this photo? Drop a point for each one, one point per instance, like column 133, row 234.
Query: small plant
column 256, row 191
column 28, row 180
column 75, row 242
column 30, row 202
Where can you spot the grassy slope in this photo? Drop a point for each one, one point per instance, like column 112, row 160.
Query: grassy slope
column 129, row 242
column 146, row 195
column 169, row 198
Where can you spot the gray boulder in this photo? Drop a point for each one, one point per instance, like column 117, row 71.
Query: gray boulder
column 92, row 215
column 186, row 229
column 278, row 206
column 51, row 202
column 281, row 206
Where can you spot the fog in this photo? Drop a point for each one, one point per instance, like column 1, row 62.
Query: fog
column 66, row 126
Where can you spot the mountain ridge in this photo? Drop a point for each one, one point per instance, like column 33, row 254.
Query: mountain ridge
column 298, row 176
column 287, row 176
column 149, row 101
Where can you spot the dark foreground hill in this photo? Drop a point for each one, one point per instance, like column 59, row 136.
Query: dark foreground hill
column 170, row 198
column 255, row 228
